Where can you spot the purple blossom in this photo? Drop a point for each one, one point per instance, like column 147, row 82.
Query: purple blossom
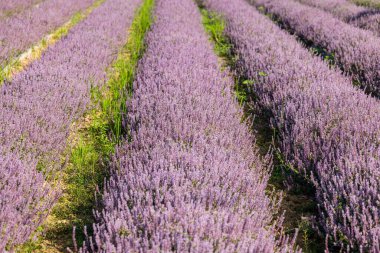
column 21, row 31
column 8, row 7
column 22, row 205
column 328, row 129
column 357, row 51
column 342, row 9
column 368, row 19
column 191, row 179
column 39, row 106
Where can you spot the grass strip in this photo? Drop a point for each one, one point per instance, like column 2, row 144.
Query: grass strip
column 19, row 63
column 297, row 201
column 367, row 3
column 120, row 84
column 91, row 144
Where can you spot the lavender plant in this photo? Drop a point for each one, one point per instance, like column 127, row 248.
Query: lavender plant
column 357, row 51
column 20, row 31
column 189, row 179
column 22, row 205
column 358, row 16
column 328, row 130
column 10, row 7
column 96, row 139
column 40, row 104
column 342, row 9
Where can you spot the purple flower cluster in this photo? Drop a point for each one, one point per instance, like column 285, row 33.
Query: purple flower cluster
column 328, row 129
column 40, row 104
column 357, row 51
column 19, row 32
column 7, row 7
column 342, row 9
column 21, row 213
column 189, row 180
column 359, row 16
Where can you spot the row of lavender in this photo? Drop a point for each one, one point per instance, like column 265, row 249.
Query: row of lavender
column 357, row 51
column 328, row 129
column 22, row 30
column 343, row 9
column 189, row 180
column 38, row 108
column 358, row 16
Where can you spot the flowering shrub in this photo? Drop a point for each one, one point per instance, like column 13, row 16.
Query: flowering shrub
column 328, row 129
column 21, row 31
column 189, row 179
column 40, row 104
column 357, row 51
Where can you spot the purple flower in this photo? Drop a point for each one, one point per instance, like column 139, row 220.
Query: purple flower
column 40, row 105
column 191, row 179
column 327, row 128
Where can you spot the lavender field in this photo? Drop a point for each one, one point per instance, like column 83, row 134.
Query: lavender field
column 190, row 126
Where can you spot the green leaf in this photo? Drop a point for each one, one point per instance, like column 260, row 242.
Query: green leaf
column 261, row 73
column 248, row 82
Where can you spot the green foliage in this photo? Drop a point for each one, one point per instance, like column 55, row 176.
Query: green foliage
column 215, row 25
column 367, row 3
column 305, row 230
column 329, row 58
column 120, row 84
column 248, row 82
column 262, row 73
column 285, row 165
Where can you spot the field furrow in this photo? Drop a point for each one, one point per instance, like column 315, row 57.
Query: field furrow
column 328, row 129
